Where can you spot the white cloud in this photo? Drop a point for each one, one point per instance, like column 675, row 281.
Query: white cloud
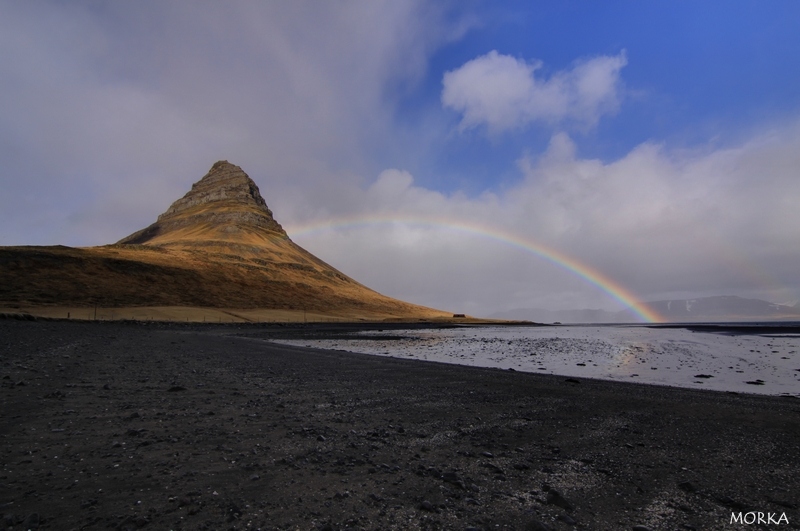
column 503, row 92
column 107, row 114
column 658, row 221
column 99, row 105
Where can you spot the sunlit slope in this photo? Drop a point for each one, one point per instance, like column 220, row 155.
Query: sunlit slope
column 217, row 247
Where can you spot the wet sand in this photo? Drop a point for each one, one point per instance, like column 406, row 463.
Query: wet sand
column 134, row 425
column 756, row 359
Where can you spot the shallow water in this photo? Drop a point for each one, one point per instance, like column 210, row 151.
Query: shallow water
column 751, row 363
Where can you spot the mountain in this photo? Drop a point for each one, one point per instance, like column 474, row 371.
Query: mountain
column 218, row 247
column 224, row 209
column 704, row 309
column 721, row 308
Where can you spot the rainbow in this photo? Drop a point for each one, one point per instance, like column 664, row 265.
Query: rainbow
column 554, row 256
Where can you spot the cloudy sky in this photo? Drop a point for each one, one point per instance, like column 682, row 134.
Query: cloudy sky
column 446, row 153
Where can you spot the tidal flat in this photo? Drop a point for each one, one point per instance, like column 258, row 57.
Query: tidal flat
column 754, row 358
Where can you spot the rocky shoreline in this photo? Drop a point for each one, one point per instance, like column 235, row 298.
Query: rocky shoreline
column 142, row 425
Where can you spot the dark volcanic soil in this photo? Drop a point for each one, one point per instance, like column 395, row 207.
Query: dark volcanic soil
column 128, row 426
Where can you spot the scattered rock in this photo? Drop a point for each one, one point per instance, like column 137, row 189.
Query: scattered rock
column 567, row 519
column 783, row 503
column 536, row 525
column 451, row 477
column 427, row 506
column 727, row 501
column 233, row 512
column 33, row 521
column 555, row 498
column 85, row 504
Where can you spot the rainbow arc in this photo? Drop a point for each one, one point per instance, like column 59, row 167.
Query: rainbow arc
column 554, row 256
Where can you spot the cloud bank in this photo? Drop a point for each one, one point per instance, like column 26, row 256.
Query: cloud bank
column 504, row 93
column 110, row 111
column 664, row 223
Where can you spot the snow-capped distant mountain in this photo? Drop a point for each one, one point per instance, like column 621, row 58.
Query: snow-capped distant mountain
column 721, row 308
column 706, row 309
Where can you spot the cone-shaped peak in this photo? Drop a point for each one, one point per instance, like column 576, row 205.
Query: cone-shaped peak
column 224, row 183
column 224, row 205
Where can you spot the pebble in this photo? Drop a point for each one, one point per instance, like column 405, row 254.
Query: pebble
column 32, row 522
column 536, row 525
column 567, row 519
column 555, row 498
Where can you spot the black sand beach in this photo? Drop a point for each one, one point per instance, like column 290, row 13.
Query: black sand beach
column 133, row 425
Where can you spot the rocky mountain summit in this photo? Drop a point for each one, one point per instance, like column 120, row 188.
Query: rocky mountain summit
column 225, row 202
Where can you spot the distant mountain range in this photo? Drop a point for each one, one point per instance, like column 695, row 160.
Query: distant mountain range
column 705, row 309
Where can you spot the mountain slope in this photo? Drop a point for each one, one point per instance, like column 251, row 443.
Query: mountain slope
column 217, row 247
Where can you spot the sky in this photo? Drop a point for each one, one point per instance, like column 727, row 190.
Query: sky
column 470, row 156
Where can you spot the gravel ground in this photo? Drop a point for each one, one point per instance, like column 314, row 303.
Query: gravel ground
column 153, row 426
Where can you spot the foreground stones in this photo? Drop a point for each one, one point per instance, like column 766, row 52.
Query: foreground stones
column 271, row 437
